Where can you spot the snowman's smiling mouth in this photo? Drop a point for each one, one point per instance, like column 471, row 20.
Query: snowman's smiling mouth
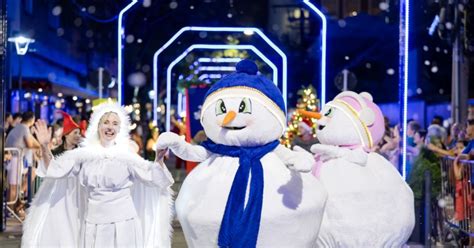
column 234, row 128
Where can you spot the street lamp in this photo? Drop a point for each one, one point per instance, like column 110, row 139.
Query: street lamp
column 21, row 45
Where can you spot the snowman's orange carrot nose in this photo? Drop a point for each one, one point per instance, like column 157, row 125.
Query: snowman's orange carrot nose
column 228, row 118
column 310, row 114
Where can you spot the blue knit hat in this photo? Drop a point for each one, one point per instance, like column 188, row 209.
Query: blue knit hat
column 246, row 83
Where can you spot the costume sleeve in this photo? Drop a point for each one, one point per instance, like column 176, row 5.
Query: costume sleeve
column 152, row 174
column 59, row 168
column 297, row 159
column 188, row 152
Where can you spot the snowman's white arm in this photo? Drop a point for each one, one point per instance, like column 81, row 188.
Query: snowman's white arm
column 188, row 152
column 297, row 159
column 181, row 148
column 328, row 152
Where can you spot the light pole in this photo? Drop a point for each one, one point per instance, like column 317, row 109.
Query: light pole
column 21, row 45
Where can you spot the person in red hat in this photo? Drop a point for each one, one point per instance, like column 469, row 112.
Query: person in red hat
column 71, row 137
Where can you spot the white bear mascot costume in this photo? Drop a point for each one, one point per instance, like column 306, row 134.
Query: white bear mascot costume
column 369, row 204
column 242, row 194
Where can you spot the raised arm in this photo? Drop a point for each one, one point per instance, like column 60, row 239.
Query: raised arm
column 43, row 134
column 181, row 148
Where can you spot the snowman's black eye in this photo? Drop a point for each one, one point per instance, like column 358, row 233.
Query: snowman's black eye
column 328, row 113
column 245, row 106
column 220, row 107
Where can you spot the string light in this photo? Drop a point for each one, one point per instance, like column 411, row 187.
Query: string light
column 307, row 101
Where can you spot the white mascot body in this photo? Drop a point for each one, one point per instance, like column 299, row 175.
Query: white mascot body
column 369, row 204
column 225, row 203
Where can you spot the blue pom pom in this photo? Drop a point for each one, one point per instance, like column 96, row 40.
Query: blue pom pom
column 246, row 66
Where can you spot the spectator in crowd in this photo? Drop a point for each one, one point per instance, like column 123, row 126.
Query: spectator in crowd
column 199, row 138
column 8, row 125
column 19, row 137
column 470, row 112
column 427, row 160
column 305, row 139
column 57, row 133
column 437, row 126
column 16, row 119
column 12, row 122
column 412, row 128
column 390, row 150
column 71, row 135
column 150, row 143
column 137, row 138
column 414, row 151
column 455, row 134
column 469, row 149
column 387, row 134
column 436, row 138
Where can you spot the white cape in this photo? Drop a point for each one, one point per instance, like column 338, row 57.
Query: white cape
column 57, row 214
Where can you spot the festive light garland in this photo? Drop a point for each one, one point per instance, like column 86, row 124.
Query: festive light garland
column 308, row 101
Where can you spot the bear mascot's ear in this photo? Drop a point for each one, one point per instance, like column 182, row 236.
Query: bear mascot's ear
column 366, row 114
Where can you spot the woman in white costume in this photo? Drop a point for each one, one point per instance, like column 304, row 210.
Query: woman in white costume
column 118, row 199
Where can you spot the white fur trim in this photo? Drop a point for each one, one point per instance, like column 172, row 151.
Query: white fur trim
column 92, row 133
column 254, row 94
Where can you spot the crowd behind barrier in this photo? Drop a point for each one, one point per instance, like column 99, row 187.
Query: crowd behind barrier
column 456, row 197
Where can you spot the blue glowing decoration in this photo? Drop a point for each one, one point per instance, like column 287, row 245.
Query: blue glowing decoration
column 120, row 36
column 219, row 60
column 208, row 47
column 433, row 25
column 216, row 68
column 403, row 77
column 245, row 30
column 324, row 34
column 209, row 76
column 181, row 102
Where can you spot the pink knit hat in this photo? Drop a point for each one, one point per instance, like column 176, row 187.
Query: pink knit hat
column 364, row 114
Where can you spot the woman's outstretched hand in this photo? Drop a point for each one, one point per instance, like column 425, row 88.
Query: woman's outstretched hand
column 43, row 133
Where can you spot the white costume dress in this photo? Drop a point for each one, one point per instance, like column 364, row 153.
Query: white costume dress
column 101, row 197
column 118, row 186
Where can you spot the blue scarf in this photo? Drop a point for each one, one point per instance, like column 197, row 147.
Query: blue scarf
column 239, row 226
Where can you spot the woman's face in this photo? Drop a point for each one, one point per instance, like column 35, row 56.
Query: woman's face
column 418, row 139
column 109, row 127
column 74, row 137
column 155, row 133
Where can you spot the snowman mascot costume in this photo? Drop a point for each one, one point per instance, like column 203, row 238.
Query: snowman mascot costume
column 242, row 194
column 369, row 204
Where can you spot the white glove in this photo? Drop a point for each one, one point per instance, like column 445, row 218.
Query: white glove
column 301, row 160
column 168, row 140
column 328, row 152
column 181, row 148
column 297, row 159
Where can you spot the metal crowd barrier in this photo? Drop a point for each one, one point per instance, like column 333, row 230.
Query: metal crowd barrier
column 456, row 191
column 18, row 153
